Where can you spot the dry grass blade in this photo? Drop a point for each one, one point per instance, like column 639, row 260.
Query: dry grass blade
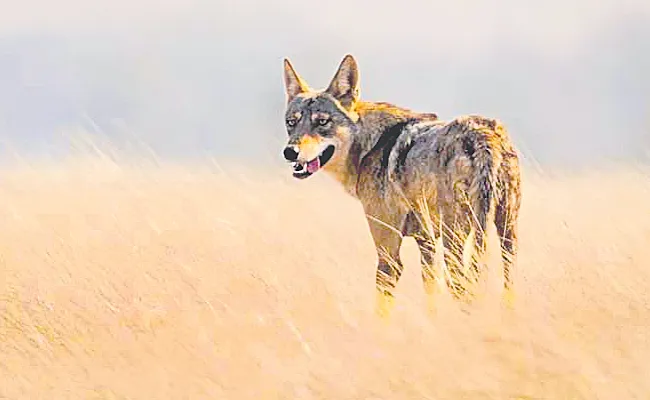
column 120, row 281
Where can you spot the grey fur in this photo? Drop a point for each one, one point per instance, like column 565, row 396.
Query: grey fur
column 395, row 161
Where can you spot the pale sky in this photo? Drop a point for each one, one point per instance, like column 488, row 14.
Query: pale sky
column 195, row 76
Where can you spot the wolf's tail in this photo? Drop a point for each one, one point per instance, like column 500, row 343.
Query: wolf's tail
column 484, row 186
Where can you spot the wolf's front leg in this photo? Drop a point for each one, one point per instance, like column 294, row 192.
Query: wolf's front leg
column 388, row 274
column 389, row 267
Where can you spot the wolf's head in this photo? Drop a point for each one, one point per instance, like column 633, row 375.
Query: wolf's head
column 320, row 122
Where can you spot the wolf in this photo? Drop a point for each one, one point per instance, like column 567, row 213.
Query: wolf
column 415, row 175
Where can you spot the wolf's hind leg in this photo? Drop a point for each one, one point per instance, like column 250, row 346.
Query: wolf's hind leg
column 505, row 218
column 430, row 277
column 464, row 276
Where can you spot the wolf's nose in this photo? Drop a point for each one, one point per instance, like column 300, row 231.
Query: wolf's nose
column 290, row 153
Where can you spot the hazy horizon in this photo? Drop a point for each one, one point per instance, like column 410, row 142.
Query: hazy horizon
column 203, row 79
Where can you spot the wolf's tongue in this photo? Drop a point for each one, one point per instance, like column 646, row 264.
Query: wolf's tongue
column 313, row 165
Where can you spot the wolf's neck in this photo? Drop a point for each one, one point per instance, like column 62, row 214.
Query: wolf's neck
column 377, row 118
column 376, row 122
column 378, row 115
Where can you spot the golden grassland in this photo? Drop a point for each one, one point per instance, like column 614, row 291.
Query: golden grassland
column 192, row 282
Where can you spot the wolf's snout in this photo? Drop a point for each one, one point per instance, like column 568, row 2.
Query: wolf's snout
column 290, row 153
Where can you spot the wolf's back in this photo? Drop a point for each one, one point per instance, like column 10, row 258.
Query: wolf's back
column 466, row 153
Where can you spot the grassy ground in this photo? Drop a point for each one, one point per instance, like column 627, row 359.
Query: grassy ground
column 169, row 282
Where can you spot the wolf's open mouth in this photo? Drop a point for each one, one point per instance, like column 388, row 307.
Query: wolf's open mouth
column 306, row 169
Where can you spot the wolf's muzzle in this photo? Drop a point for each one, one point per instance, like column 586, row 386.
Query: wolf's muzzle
column 290, row 153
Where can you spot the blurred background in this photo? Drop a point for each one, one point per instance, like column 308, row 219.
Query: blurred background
column 192, row 79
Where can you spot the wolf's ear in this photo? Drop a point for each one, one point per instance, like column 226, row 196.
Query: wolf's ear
column 293, row 83
column 345, row 84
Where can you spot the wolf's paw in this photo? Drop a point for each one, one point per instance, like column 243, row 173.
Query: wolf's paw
column 509, row 298
column 384, row 305
column 431, row 305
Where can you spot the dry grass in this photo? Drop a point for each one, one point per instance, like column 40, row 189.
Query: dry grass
column 173, row 282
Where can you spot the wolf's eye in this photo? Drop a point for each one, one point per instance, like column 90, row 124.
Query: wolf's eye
column 323, row 121
column 291, row 122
